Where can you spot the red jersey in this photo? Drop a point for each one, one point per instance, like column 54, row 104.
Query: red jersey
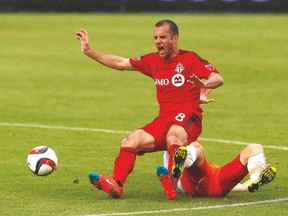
column 170, row 77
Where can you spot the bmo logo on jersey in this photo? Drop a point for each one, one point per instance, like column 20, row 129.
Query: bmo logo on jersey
column 177, row 80
column 162, row 82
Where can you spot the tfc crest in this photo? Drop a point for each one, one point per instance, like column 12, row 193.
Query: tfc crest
column 179, row 68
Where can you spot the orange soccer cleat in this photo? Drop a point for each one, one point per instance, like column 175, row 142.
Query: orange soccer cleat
column 107, row 184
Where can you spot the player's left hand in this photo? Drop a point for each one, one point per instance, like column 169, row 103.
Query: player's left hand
column 196, row 81
column 203, row 96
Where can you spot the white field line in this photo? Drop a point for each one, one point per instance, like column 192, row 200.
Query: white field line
column 63, row 128
column 194, row 208
column 242, row 143
column 3, row 124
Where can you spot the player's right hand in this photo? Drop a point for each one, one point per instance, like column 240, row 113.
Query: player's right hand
column 83, row 37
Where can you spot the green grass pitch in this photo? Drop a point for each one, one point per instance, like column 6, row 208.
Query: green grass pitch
column 46, row 80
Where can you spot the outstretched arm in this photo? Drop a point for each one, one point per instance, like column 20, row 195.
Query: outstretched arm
column 213, row 81
column 115, row 62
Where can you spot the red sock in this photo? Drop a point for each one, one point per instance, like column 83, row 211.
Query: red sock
column 124, row 164
column 171, row 151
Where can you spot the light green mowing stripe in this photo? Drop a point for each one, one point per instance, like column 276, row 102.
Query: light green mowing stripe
column 124, row 132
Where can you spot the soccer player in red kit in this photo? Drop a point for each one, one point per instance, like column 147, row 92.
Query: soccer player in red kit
column 179, row 76
column 203, row 179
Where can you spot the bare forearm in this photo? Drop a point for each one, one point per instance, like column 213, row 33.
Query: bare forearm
column 214, row 81
column 115, row 62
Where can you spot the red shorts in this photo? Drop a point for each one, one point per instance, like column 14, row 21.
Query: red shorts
column 210, row 180
column 160, row 126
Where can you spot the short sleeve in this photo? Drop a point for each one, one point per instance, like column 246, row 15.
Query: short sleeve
column 201, row 67
column 143, row 64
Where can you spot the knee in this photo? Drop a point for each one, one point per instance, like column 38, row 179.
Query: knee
column 126, row 142
column 176, row 135
column 249, row 151
column 200, row 150
column 255, row 148
column 172, row 139
column 199, row 153
column 132, row 140
column 197, row 145
column 139, row 140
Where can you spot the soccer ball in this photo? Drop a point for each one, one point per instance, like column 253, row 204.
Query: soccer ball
column 42, row 160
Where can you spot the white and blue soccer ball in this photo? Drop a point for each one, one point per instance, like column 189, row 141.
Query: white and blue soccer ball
column 42, row 160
